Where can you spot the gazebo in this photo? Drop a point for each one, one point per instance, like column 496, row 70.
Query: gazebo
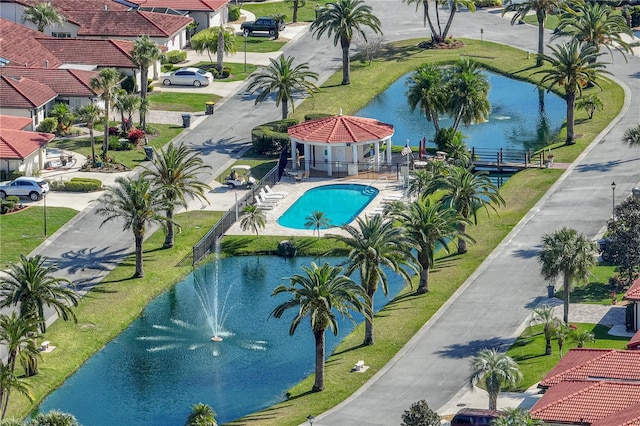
column 334, row 142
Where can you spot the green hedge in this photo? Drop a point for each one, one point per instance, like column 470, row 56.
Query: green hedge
column 174, row 57
column 316, row 116
column 48, row 125
column 271, row 138
column 234, row 13
column 77, row 184
column 8, row 204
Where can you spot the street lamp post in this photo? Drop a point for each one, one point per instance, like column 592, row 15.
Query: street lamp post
column 245, row 51
column 311, row 419
column 44, row 199
column 613, row 209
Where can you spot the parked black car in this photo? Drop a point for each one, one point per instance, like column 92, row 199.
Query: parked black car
column 474, row 417
column 264, row 24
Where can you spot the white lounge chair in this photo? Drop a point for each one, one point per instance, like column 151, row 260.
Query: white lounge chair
column 266, row 196
column 271, row 201
column 263, row 206
column 271, row 191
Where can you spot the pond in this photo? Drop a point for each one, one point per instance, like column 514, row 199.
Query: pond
column 165, row 362
column 522, row 117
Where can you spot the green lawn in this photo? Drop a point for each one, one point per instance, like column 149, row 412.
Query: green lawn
column 184, row 102
column 307, row 13
column 23, row 231
column 258, row 44
column 237, row 70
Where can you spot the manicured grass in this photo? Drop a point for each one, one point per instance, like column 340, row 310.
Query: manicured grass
column 596, row 290
column 184, row 102
column 23, row 231
column 130, row 158
column 237, row 71
column 258, row 44
column 528, row 351
column 550, row 23
column 307, row 13
column 108, row 309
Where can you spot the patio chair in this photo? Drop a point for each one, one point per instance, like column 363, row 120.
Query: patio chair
column 266, row 196
column 264, row 200
column 263, row 206
column 271, row 191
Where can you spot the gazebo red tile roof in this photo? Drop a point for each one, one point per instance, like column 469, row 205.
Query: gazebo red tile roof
column 191, row 5
column 13, row 122
column 23, row 93
column 341, row 129
column 19, row 144
column 634, row 291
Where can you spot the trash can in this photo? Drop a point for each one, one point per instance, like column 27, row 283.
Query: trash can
column 210, row 107
column 186, row 120
column 148, row 151
column 636, row 192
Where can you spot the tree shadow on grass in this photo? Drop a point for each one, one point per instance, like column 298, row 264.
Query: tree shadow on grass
column 267, row 414
column 592, row 292
column 231, row 247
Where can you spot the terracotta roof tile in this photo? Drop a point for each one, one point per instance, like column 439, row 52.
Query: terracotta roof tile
column 64, row 5
column 131, row 23
column 341, row 129
column 210, row 5
column 634, row 342
column 592, row 364
column 65, row 82
column 12, row 122
column 18, row 44
column 23, row 93
column 103, row 53
column 628, row 417
column 588, row 401
column 634, row 291
column 19, row 144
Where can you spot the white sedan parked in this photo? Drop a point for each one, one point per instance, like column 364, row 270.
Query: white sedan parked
column 188, row 77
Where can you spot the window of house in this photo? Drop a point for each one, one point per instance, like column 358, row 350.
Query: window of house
column 61, row 35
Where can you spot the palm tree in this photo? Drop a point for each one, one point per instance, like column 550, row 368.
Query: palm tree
column 126, row 104
column 285, row 80
column 317, row 294
column 428, row 224
column 30, row 286
column 18, row 335
column 542, row 9
column 573, row 65
column 175, row 171
column 425, row 90
column 107, row 82
column 375, row 245
column 92, row 115
column 544, row 315
column 467, row 192
column 343, row 18
column 516, row 416
column 632, row 136
column 42, row 15
column 54, row 417
column 253, row 218
column 590, row 104
column 201, row 415
column 596, row 25
column 207, row 40
column 562, row 331
column 138, row 204
column 9, row 382
column 63, row 114
column 144, row 54
column 421, row 182
column 295, row 5
column 568, row 253
column 317, row 220
column 581, row 336
column 467, row 91
column 496, row 370
column 220, row 40
column 438, row 35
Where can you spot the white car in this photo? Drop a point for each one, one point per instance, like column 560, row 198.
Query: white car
column 32, row 187
column 188, row 77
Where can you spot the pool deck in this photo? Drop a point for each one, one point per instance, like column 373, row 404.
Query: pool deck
column 295, row 191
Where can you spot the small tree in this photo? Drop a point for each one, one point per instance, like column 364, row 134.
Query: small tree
column 623, row 237
column 369, row 47
column 496, row 370
column 42, row 15
column 590, row 104
column 91, row 114
column 562, row 331
column 581, row 336
column 544, row 315
column 253, row 218
column 201, row 415
column 419, row 414
column 317, row 220
column 632, row 136
column 63, row 114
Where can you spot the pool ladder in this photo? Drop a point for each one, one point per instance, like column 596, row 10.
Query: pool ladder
column 369, row 190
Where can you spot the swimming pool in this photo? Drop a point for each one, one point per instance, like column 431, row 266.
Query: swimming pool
column 341, row 204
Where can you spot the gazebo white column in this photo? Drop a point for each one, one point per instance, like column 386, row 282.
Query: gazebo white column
column 329, row 161
column 389, row 143
column 293, row 155
column 307, row 157
column 354, row 151
column 377, row 154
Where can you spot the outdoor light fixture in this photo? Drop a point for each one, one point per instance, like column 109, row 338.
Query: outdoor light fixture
column 245, row 51
column 613, row 209
column 311, row 419
column 44, row 199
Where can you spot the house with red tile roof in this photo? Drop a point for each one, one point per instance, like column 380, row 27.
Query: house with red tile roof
column 20, row 149
column 592, row 387
column 23, row 97
column 633, row 295
column 20, row 46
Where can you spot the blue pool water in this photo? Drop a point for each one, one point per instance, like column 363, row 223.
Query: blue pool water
column 165, row 362
column 341, row 203
column 516, row 121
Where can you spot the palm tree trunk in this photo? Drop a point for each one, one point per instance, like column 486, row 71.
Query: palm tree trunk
column 139, row 268
column 345, row 43
column 493, row 398
column 540, row 42
column 143, row 95
column 368, row 322
column 105, row 141
column 295, row 11
column 452, row 13
column 93, row 147
column 462, row 243
column 571, row 100
column 423, row 286
column 548, row 350
column 318, row 384
column 565, row 297
column 4, row 399
column 220, row 48
column 169, row 237
column 427, row 17
column 285, row 109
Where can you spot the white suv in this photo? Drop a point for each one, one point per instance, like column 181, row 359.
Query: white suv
column 32, row 187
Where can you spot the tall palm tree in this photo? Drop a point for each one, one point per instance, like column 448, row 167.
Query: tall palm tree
column 568, row 253
column 516, row 416
column 206, row 39
column 632, row 136
column 144, row 54
column 201, row 415
column 319, row 294
column 376, row 244
column 42, row 15
column 596, row 25
column 137, row 204
column 438, row 35
column 54, row 418
column 544, row 315
column 285, row 80
column 428, row 224
column 91, row 114
column 30, row 285
column 175, row 171
column 317, row 220
column 225, row 43
column 343, row 18
column 107, row 81
column 573, row 65
column 467, row 192
column 17, row 334
column 425, row 91
column 467, row 91
column 63, row 114
column 421, row 182
column 126, row 104
column 253, row 218
column 542, row 9
column 496, row 370
column 9, row 382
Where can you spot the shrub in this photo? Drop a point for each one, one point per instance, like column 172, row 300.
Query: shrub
column 316, row 116
column 128, row 84
column 6, row 206
column 48, row 125
column 151, row 130
column 174, row 57
column 270, row 138
column 234, row 13
column 116, row 144
column 15, row 175
column 167, row 67
column 135, row 135
column 82, row 185
column 487, row 3
column 13, row 198
column 113, row 131
column 226, row 72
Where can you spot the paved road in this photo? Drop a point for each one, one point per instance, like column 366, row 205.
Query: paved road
column 489, row 310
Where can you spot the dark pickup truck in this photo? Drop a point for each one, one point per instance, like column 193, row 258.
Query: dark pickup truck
column 264, row 23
